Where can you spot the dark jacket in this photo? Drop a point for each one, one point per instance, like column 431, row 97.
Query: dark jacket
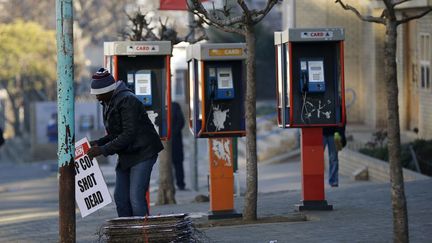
column 178, row 123
column 130, row 133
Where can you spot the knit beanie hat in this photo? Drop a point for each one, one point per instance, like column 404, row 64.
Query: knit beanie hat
column 102, row 82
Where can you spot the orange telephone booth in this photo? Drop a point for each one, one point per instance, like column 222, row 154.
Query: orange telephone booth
column 215, row 98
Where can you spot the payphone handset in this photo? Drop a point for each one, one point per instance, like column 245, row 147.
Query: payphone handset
column 143, row 86
column 312, row 76
column 221, row 83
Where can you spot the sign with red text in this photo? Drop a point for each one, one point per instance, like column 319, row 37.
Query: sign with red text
column 91, row 191
column 142, row 48
column 316, row 34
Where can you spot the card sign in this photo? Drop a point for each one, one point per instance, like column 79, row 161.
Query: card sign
column 91, row 191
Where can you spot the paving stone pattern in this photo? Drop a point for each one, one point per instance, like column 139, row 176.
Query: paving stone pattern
column 29, row 212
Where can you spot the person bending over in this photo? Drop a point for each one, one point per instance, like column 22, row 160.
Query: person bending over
column 132, row 136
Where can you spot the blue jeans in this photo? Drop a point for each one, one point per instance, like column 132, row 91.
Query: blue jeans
column 333, row 177
column 131, row 187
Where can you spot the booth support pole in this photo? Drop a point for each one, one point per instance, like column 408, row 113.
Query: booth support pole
column 312, row 161
column 221, row 159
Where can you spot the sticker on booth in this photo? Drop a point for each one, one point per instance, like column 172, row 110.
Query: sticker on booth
column 316, row 34
column 225, row 52
column 142, row 49
column 91, row 191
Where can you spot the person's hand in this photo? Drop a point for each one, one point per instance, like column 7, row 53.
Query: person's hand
column 94, row 152
column 93, row 143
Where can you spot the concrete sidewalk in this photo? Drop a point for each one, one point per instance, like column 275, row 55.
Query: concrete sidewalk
column 29, row 209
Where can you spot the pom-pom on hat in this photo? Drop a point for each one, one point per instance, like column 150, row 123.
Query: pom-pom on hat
column 102, row 82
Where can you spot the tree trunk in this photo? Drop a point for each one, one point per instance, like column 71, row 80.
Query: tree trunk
column 250, row 205
column 400, row 215
column 166, row 192
column 15, row 109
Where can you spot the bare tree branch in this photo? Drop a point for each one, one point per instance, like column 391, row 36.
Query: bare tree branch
column 407, row 19
column 388, row 4
column 262, row 13
column 141, row 30
column 368, row 18
column 226, row 11
column 244, row 6
column 223, row 24
column 197, row 25
column 198, row 8
column 397, row 2
column 384, row 13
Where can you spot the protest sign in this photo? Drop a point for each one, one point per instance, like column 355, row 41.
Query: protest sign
column 91, row 191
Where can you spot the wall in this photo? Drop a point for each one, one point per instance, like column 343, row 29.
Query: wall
column 351, row 161
column 425, row 95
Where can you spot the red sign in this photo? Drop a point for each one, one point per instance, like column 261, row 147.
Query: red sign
column 81, row 150
column 174, row 4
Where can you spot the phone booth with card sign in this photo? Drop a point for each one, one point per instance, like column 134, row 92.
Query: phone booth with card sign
column 145, row 68
column 311, row 95
column 215, row 97
column 215, row 87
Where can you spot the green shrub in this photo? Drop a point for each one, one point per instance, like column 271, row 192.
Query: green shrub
column 378, row 153
column 422, row 149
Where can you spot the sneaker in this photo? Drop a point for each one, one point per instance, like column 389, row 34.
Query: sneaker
column 334, row 185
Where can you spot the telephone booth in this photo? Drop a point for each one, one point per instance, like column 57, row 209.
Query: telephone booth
column 215, row 97
column 310, row 96
column 216, row 82
column 145, row 68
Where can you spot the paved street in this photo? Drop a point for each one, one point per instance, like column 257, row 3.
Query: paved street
column 29, row 208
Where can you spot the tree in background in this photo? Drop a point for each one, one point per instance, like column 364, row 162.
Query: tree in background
column 28, row 10
column 142, row 29
column 390, row 20
column 28, row 62
column 36, row 11
column 95, row 21
column 243, row 24
column 102, row 20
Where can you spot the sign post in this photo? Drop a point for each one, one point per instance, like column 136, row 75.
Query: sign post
column 91, row 191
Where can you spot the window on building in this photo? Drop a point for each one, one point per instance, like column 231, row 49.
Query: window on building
column 425, row 60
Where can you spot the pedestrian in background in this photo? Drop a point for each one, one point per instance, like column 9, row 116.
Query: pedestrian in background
column 132, row 136
column 177, row 155
column 328, row 140
column 2, row 140
column 334, row 139
column 51, row 129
